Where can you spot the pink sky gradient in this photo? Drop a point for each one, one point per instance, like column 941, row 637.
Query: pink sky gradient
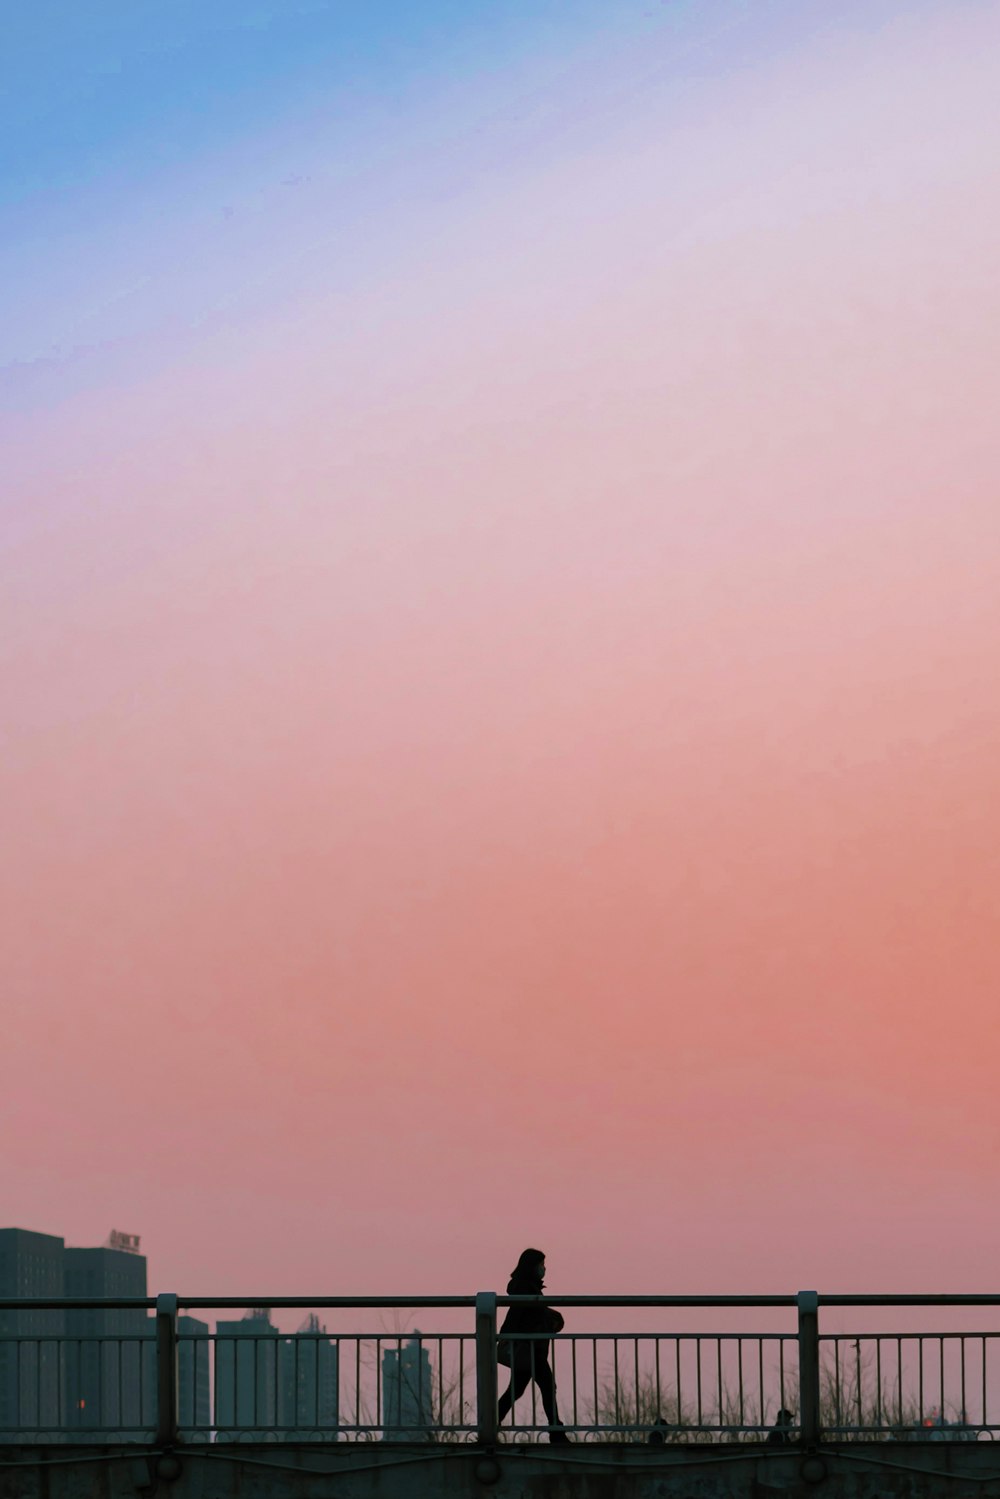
column 508, row 752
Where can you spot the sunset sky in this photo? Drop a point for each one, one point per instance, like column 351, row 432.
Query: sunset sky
column 499, row 641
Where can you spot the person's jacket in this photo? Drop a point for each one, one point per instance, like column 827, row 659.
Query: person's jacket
column 539, row 1317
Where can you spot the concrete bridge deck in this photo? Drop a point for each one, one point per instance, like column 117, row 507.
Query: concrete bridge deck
column 931, row 1470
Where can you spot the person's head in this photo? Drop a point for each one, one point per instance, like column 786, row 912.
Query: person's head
column 531, row 1266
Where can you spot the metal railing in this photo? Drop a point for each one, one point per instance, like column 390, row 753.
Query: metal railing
column 152, row 1371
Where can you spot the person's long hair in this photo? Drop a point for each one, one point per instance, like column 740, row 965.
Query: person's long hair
column 526, row 1268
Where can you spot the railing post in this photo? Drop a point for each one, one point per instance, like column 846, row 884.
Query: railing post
column 486, row 1367
column 166, row 1370
column 808, row 1305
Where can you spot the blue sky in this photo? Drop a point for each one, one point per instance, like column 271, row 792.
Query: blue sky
column 154, row 156
column 126, row 86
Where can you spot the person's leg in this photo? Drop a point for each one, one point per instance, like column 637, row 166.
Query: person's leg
column 520, row 1375
column 547, row 1389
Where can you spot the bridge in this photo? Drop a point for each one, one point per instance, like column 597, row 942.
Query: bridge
column 660, row 1397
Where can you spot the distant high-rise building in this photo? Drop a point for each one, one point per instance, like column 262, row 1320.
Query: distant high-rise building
column 406, row 1392
column 31, row 1265
column 110, row 1357
column 194, row 1395
column 308, row 1383
column 246, row 1378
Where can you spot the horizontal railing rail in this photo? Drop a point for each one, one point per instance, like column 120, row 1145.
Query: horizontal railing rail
column 211, row 1303
column 151, row 1369
column 76, row 1303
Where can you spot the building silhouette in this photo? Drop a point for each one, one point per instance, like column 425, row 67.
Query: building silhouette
column 110, row 1355
column 246, row 1378
column 31, row 1373
column 88, row 1370
column 308, row 1374
column 406, row 1392
column 194, row 1390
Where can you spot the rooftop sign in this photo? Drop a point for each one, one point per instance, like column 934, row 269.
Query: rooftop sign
column 127, row 1242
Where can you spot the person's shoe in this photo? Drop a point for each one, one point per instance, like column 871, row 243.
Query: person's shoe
column 559, row 1439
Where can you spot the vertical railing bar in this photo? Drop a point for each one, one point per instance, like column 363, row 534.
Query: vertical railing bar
column 941, row 1342
column 304, row 1417
column 718, row 1365
column 597, row 1409
column 761, row 1410
column 985, row 1420
column 899, row 1381
column 420, row 1381
column 314, row 1407
column 286, row 1410
column 318, row 1413
column 878, row 1383
column 739, row 1367
column 697, row 1349
column 618, row 1412
column 531, row 1383
column 809, row 1367
column 920, row 1365
column 298, row 1416
column 576, row 1414
column 487, row 1412
column 857, row 1354
column 308, row 1404
column 964, row 1404
column 659, row 1396
column 635, row 1349
column 166, row 1370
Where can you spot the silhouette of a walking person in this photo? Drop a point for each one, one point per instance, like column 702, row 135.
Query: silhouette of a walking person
column 528, row 1356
